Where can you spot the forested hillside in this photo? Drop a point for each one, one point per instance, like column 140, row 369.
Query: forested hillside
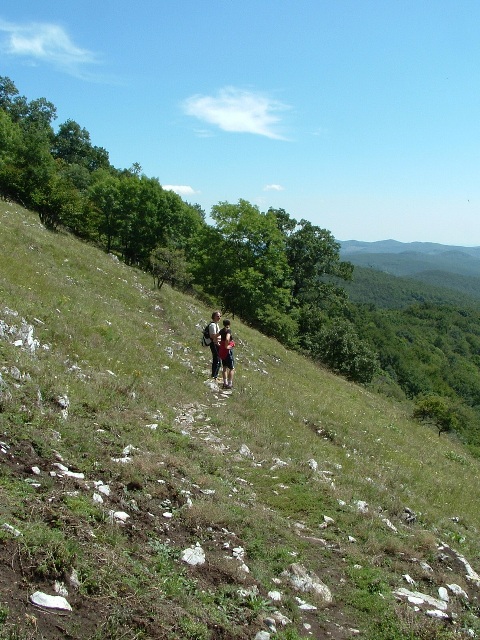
column 454, row 268
column 285, row 277
column 383, row 290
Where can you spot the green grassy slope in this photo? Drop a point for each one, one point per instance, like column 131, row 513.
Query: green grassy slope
column 267, row 476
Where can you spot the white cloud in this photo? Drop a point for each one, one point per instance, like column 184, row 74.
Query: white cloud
column 181, row 190
column 238, row 111
column 273, row 187
column 46, row 43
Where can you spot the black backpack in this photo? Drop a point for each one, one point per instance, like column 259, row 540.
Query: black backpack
column 206, row 336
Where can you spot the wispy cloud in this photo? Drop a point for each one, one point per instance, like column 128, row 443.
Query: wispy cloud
column 238, row 111
column 49, row 43
column 273, row 187
column 181, row 190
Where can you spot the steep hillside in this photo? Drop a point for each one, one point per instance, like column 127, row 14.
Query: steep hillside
column 150, row 504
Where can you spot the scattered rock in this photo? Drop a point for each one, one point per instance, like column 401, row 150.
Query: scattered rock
column 74, row 579
column 41, row 599
column 65, row 471
column 327, row 520
column 472, row 575
column 129, row 449
column 301, row 580
column 435, row 613
column 415, row 597
column 277, row 463
column 194, row 555
column 409, row 516
column 270, row 623
column 12, row 530
column 102, row 488
column 390, row 525
column 362, row 506
column 245, row 451
column 305, row 606
column 281, row 619
column 443, row 594
column 119, row 516
column 458, row 591
column 60, row 588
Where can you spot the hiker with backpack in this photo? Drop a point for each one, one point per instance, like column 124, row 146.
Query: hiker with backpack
column 213, row 331
column 225, row 352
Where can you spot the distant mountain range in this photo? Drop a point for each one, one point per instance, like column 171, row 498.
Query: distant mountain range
column 393, row 246
column 451, row 267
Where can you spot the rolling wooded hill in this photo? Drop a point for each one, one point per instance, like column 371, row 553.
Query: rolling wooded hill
column 451, row 268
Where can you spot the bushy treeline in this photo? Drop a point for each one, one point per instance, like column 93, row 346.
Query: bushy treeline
column 71, row 183
column 283, row 276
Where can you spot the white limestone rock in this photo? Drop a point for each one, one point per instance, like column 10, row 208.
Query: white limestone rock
column 280, row 618
column 194, row 555
column 458, row 591
column 307, row 582
column 421, row 598
column 12, row 530
column 60, row 588
column 119, row 516
column 362, row 506
column 443, row 594
column 435, row 613
column 245, row 451
column 305, row 606
column 74, row 579
column 46, row 601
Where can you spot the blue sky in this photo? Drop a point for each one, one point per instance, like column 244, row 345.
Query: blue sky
column 361, row 116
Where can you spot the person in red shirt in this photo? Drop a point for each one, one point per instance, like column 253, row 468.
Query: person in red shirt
column 226, row 354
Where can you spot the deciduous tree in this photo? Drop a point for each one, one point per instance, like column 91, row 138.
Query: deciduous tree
column 169, row 265
column 250, row 259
